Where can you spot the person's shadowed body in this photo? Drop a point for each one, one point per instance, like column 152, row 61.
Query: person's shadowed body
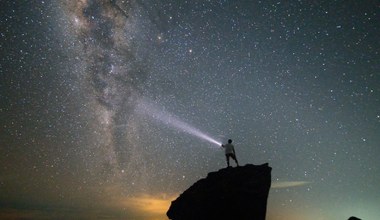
column 229, row 150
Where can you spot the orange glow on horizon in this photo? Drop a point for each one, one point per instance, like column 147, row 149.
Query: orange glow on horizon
column 154, row 206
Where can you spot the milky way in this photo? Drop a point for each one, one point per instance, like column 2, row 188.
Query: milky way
column 294, row 84
column 110, row 43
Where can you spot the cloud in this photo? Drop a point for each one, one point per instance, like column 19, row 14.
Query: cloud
column 287, row 184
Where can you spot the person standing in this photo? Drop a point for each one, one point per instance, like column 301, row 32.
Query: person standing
column 229, row 150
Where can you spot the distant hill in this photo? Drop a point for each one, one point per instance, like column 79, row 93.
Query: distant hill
column 230, row 193
column 354, row 218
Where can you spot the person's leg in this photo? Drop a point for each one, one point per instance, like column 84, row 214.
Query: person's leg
column 234, row 157
column 228, row 160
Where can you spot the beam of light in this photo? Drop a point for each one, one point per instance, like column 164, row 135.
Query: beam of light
column 145, row 107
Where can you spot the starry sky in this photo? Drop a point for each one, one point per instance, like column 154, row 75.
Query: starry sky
column 293, row 83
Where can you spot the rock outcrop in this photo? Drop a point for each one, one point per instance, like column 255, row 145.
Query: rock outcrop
column 354, row 218
column 230, row 193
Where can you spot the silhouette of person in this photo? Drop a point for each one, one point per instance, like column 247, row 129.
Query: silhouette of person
column 229, row 150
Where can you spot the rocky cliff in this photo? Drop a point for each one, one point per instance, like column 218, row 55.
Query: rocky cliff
column 230, row 193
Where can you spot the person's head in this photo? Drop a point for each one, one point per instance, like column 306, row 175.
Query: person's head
column 229, row 141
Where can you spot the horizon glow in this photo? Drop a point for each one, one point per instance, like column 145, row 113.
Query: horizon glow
column 148, row 108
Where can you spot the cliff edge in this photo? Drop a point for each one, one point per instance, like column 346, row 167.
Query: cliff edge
column 230, row 193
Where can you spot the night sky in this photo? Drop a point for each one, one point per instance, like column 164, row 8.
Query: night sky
column 89, row 88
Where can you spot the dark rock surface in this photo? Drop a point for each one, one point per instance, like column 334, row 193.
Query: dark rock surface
column 230, row 193
column 354, row 218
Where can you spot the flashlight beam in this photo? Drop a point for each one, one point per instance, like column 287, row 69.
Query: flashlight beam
column 172, row 121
